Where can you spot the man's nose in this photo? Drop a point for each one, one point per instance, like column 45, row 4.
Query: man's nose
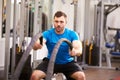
column 59, row 23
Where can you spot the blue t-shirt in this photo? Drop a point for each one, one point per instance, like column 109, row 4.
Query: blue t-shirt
column 52, row 38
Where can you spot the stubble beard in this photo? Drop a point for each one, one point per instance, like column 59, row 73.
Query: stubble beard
column 59, row 30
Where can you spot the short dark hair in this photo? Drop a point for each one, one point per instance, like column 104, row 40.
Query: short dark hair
column 59, row 14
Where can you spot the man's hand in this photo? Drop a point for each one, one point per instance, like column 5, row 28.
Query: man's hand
column 37, row 45
column 77, row 48
column 75, row 52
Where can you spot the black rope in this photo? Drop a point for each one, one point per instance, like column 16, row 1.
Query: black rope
column 24, row 57
column 53, row 56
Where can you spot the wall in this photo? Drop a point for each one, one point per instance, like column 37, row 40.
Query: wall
column 67, row 8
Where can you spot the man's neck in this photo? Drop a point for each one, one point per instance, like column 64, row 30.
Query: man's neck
column 61, row 32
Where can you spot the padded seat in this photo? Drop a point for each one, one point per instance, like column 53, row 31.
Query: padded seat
column 111, row 53
column 115, row 53
column 109, row 45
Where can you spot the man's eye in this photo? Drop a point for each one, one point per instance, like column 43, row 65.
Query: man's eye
column 59, row 21
column 56, row 21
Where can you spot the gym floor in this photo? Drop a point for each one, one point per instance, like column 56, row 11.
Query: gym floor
column 101, row 74
column 96, row 73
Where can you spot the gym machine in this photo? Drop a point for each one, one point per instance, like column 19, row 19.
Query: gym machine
column 19, row 37
column 102, row 9
column 113, row 47
column 106, row 8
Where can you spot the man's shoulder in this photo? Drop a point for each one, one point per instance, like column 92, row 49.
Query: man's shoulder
column 49, row 30
column 69, row 30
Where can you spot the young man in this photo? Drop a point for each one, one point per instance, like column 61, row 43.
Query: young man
column 65, row 58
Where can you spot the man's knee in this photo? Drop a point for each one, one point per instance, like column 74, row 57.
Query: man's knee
column 82, row 76
column 78, row 75
column 37, row 75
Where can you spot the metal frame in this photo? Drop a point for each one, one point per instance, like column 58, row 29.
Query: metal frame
column 1, row 6
column 7, row 39
column 22, row 19
column 15, row 35
column 86, row 23
column 102, row 27
column 37, row 26
column 50, row 13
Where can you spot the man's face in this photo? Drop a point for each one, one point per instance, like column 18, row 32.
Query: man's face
column 59, row 24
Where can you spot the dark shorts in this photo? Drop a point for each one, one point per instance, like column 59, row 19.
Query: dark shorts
column 66, row 69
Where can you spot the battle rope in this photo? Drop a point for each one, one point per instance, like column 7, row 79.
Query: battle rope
column 53, row 56
column 24, row 57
